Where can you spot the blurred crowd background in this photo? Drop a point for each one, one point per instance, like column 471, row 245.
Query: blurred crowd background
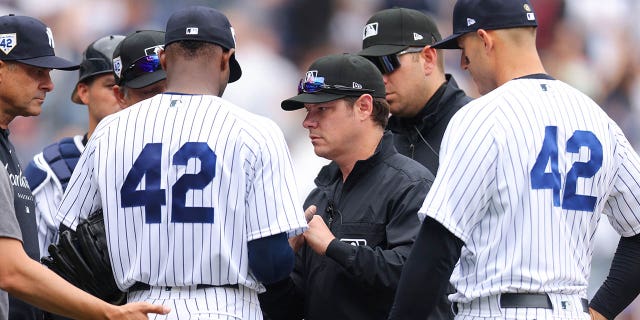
column 591, row 44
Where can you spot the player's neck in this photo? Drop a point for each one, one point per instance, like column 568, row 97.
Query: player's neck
column 193, row 85
column 527, row 63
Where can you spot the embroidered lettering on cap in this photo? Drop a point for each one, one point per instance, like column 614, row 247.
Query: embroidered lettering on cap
column 50, row 36
column 8, row 41
column 370, row 30
column 192, row 30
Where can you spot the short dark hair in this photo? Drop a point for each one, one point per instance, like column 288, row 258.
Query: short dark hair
column 192, row 48
column 380, row 114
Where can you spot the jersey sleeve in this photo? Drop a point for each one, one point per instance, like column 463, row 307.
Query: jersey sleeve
column 623, row 205
column 272, row 202
column 82, row 195
column 466, row 176
column 9, row 226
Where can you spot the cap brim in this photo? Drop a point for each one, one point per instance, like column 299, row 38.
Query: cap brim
column 51, row 62
column 236, row 71
column 146, row 79
column 451, row 42
column 381, row 50
column 298, row 101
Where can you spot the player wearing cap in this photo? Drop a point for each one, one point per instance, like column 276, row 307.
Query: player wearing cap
column 26, row 60
column 422, row 98
column 137, row 69
column 198, row 195
column 522, row 187
column 366, row 199
column 50, row 170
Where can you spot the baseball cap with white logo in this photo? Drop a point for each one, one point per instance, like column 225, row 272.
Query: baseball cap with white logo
column 392, row 30
column 29, row 41
column 132, row 50
column 200, row 23
column 472, row 15
column 334, row 77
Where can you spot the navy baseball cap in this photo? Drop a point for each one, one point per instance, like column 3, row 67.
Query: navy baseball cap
column 472, row 15
column 334, row 77
column 200, row 23
column 29, row 41
column 392, row 30
column 135, row 59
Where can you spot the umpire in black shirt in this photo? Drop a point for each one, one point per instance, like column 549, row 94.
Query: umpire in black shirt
column 366, row 200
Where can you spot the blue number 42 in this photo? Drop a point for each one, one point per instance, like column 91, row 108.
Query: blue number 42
column 148, row 167
column 541, row 179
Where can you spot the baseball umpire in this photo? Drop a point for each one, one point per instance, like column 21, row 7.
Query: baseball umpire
column 527, row 170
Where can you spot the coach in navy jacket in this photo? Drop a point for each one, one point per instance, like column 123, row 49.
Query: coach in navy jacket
column 366, row 206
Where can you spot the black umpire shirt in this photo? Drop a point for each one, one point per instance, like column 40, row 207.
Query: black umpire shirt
column 25, row 212
column 373, row 216
column 420, row 137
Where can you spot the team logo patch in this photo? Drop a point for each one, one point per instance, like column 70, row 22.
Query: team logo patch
column 355, row 242
column 192, row 31
column 311, row 75
column 370, row 30
column 531, row 16
column 8, row 41
column 117, row 66
column 151, row 51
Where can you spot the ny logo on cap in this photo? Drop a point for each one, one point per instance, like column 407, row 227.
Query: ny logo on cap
column 370, row 30
column 50, row 36
column 8, row 41
column 192, row 30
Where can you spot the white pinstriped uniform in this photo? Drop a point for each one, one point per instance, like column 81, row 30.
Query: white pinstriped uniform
column 209, row 177
column 47, row 198
column 522, row 232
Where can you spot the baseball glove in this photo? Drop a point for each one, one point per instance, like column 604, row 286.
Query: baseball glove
column 82, row 258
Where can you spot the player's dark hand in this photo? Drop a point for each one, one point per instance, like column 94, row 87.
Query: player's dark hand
column 595, row 315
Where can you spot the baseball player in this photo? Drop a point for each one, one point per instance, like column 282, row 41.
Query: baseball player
column 27, row 56
column 198, row 195
column 526, row 172
column 49, row 171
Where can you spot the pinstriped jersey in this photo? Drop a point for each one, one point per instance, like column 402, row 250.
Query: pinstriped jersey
column 526, row 172
column 185, row 181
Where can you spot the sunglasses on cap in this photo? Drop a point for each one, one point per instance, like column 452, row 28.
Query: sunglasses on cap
column 146, row 64
column 389, row 63
column 313, row 85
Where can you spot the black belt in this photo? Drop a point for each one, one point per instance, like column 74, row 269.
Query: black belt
column 532, row 300
column 528, row 300
column 141, row 286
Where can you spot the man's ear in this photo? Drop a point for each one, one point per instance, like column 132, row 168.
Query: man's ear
column 487, row 39
column 83, row 92
column 226, row 59
column 364, row 106
column 430, row 57
column 119, row 94
column 162, row 56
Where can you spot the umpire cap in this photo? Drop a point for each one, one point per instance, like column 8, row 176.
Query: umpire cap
column 96, row 60
column 335, row 77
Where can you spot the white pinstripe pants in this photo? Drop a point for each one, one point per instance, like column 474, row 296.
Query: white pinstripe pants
column 189, row 303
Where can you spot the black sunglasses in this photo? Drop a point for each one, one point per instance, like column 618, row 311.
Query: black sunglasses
column 389, row 63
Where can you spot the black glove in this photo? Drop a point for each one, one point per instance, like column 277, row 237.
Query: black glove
column 82, row 258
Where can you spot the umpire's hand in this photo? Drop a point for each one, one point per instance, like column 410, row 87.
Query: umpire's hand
column 318, row 236
column 298, row 241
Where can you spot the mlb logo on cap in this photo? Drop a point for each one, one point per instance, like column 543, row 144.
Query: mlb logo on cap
column 29, row 41
column 192, row 31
